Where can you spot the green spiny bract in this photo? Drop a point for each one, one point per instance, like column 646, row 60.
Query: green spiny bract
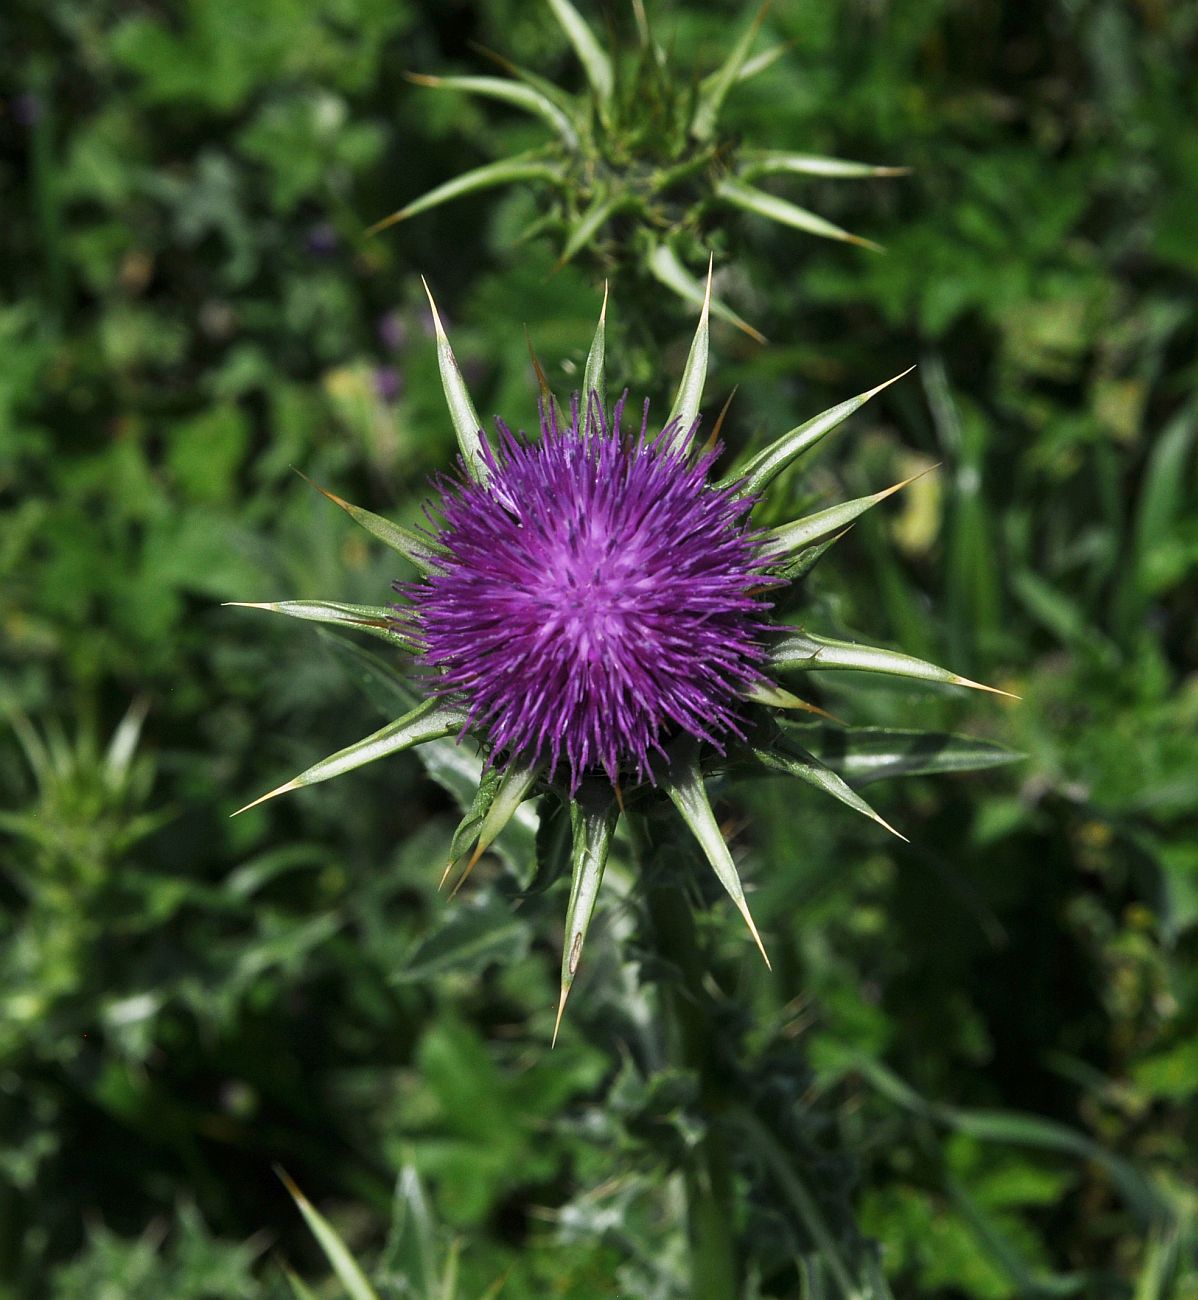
column 769, row 742
column 638, row 170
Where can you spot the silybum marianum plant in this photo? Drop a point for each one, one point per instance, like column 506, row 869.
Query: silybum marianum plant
column 594, row 609
column 637, row 167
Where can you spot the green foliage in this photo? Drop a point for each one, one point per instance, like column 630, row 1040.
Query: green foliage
column 976, row 1050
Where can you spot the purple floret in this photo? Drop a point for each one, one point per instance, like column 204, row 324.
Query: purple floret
column 597, row 596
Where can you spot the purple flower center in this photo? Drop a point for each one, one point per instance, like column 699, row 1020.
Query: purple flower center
column 597, row 595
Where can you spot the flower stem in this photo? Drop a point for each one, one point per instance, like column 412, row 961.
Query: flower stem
column 692, row 1045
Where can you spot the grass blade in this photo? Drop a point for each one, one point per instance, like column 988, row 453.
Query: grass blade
column 348, row 1271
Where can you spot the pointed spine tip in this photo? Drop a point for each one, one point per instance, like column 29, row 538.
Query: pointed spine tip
column 270, row 794
column 561, row 1007
column 603, row 308
column 981, row 686
column 437, row 326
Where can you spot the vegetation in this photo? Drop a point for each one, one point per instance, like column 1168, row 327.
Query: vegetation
column 977, row 1052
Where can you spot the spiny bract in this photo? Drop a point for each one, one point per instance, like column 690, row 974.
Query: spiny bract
column 595, row 594
column 593, row 612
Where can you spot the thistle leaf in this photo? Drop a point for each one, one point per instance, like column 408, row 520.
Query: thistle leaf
column 786, row 542
column 684, row 785
column 594, row 218
column 865, row 754
column 515, row 785
column 761, row 204
column 773, row 696
column 806, row 560
column 807, row 652
column 374, row 620
column 694, row 374
column 593, row 818
column 770, row 462
column 504, row 172
column 715, row 89
column 515, row 93
column 429, row 720
column 594, row 377
column 466, row 423
column 794, row 761
column 666, row 268
column 769, row 162
column 349, row 1273
column 591, row 55
column 421, row 551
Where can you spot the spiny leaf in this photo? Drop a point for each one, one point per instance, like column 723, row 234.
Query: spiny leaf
column 788, row 540
column 865, row 754
column 591, row 55
column 568, row 104
column 694, row 374
column 770, row 462
column 749, row 199
column 665, row 267
column 806, row 560
column 421, row 551
column 808, row 652
column 774, row 697
column 466, row 423
column 427, row 721
column 684, row 785
column 797, row 762
column 594, row 378
column 335, row 1250
column 504, row 172
column 374, row 620
column 508, row 92
column 593, row 219
column 593, row 817
column 514, row 787
column 715, row 89
column 768, row 162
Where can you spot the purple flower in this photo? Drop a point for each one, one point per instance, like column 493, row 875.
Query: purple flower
column 597, row 596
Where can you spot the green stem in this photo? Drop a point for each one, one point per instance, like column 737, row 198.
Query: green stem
column 715, row 1274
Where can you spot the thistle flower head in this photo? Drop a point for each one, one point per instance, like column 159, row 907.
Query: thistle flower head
column 596, row 594
column 592, row 602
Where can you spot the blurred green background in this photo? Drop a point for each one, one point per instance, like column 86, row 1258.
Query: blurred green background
column 988, row 1038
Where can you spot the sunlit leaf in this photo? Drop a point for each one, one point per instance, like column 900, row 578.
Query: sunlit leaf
column 373, row 620
column 427, row 721
column 787, row 541
column 715, row 89
column 504, row 172
column 665, row 267
column 749, row 199
column 767, row 464
column 466, row 423
column 807, row 652
column 794, row 761
column 593, row 817
column 768, row 162
column 591, row 54
column 694, row 374
column 515, row 93
column 684, row 785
